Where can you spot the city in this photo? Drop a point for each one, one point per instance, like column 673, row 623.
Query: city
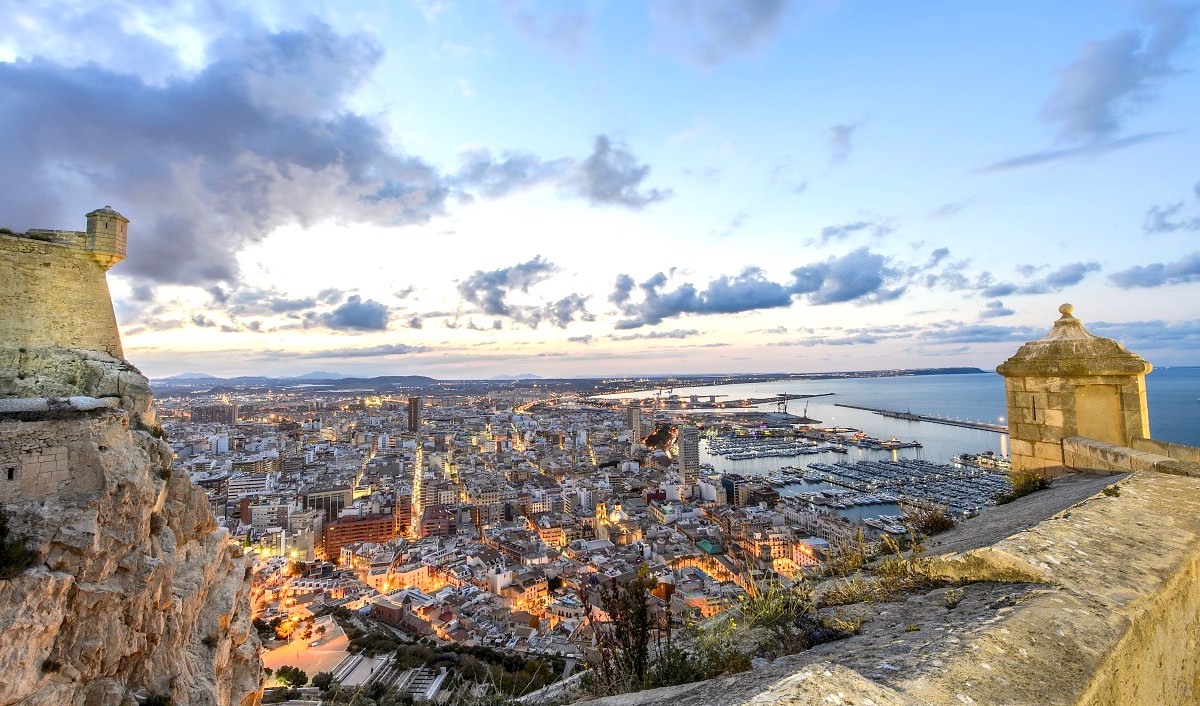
column 478, row 518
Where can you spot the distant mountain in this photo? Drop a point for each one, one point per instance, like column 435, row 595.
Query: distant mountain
column 192, row 376
column 320, row 375
column 521, row 376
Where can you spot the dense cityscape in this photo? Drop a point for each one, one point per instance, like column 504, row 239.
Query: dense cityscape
column 481, row 517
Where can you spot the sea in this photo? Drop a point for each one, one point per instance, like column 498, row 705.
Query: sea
column 1173, row 397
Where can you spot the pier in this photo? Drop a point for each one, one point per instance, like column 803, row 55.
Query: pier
column 909, row 416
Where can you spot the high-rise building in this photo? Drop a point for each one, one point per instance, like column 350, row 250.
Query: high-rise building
column 414, row 414
column 689, row 454
column 215, row 414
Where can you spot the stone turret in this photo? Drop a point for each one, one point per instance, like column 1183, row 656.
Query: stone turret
column 55, row 286
column 106, row 235
column 1072, row 383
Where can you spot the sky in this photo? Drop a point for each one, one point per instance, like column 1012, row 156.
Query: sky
column 469, row 189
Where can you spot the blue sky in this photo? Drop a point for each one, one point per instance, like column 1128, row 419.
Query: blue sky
column 464, row 189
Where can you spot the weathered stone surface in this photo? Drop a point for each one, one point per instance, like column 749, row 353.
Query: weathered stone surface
column 65, row 372
column 125, row 606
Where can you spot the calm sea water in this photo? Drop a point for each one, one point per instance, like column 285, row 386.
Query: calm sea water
column 1173, row 396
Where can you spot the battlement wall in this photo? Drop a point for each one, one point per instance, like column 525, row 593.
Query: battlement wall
column 55, row 295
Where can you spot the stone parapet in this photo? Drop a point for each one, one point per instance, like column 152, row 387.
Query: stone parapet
column 1098, row 456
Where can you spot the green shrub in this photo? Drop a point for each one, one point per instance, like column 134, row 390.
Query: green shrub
column 1112, row 491
column 952, row 597
column 158, row 700
column 1024, row 483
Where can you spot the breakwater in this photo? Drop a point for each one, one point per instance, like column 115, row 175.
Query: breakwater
column 909, row 416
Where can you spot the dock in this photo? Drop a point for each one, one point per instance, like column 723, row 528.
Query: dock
column 910, row 417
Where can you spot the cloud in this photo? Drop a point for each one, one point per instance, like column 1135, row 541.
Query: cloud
column 261, row 137
column 1088, row 151
column 995, row 309
column 489, row 289
column 947, row 210
column 390, row 349
column 746, row 291
column 357, row 315
column 1182, row 271
column 562, row 31
column 845, row 230
column 656, row 335
column 1154, row 334
column 858, row 339
column 612, row 176
column 708, row 32
column 1066, row 275
column 978, row 333
column 858, row 275
column 735, row 224
column 839, row 142
column 584, row 340
column 512, row 172
column 415, row 322
column 1115, row 76
column 1159, row 219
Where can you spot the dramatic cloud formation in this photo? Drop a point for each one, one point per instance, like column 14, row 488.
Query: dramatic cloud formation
column 261, row 137
column 860, row 275
column 357, row 315
column 1114, row 76
column 612, row 176
column 708, row 32
column 839, row 142
column 1182, row 271
column 203, row 166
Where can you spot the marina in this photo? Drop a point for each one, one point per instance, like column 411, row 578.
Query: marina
column 963, row 491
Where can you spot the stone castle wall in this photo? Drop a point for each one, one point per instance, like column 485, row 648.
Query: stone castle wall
column 55, row 295
column 36, row 457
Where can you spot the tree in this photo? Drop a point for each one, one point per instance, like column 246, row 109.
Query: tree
column 322, row 680
column 291, row 676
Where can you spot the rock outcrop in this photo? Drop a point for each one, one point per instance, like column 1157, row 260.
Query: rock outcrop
column 135, row 590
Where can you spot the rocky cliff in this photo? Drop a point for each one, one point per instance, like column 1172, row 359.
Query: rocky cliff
column 134, row 591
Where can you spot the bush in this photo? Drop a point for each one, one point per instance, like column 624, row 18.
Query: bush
column 1112, row 491
column 952, row 597
column 928, row 521
column 15, row 557
column 158, row 700
column 51, row 665
column 1024, row 483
